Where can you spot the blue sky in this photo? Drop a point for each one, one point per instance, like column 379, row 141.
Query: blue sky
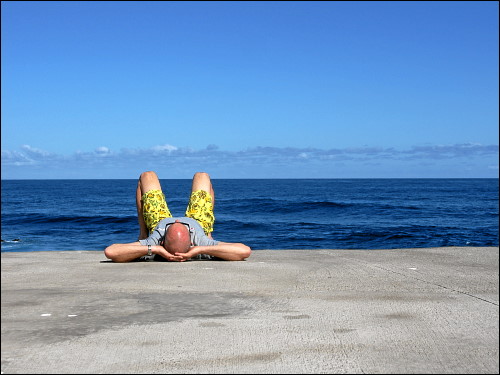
column 249, row 89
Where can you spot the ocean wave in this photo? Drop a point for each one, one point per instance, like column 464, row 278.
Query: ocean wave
column 36, row 218
column 272, row 206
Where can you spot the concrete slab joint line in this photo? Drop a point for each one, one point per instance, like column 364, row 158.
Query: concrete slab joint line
column 438, row 285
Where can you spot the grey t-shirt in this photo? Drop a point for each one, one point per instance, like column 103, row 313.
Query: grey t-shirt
column 196, row 232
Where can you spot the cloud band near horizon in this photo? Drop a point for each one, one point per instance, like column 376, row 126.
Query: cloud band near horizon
column 103, row 159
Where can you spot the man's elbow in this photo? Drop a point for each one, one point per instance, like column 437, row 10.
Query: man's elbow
column 110, row 253
column 244, row 252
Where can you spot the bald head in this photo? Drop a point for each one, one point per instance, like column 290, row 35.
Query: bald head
column 177, row 239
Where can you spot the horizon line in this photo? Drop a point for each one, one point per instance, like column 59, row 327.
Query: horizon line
column 268, row 178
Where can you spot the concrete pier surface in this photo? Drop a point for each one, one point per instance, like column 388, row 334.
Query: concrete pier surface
column 428, row 310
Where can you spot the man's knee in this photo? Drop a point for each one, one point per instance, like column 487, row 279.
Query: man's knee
column 201, row 181
column 149, row 181
column 201, row 175
column 148, row 176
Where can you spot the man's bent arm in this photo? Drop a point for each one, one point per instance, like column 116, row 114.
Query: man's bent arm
column 126, row 252
column 224, row 250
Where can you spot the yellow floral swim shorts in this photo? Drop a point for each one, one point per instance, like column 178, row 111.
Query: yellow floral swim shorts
column 200, row 208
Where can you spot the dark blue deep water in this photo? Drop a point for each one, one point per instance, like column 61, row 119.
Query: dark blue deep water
column 264, row 214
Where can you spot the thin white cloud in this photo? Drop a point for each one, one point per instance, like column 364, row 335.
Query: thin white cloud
column 16, row 158
column 168, row 148
column 451, row 151
column 35, row 153
column 102, row 150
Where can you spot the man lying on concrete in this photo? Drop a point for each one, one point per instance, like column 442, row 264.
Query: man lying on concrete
column 175, row 239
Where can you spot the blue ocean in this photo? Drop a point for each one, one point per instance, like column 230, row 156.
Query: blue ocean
column 46, row 215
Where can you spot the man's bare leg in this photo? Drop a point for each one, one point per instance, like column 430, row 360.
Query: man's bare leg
column 201, row 181
column 147, row 181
